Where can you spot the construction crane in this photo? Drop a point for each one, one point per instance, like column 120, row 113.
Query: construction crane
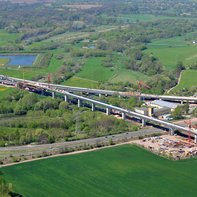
column 190, row 126
column 49, row 79
column 141, row 85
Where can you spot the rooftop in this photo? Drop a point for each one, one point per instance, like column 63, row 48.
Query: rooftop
column 164, row 104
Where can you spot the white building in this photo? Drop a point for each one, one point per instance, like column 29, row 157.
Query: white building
column 163, row 104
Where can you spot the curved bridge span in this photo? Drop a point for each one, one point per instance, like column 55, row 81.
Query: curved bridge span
column 14, row 81
column 64, row 90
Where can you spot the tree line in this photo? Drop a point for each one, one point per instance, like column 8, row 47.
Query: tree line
column 27, row 118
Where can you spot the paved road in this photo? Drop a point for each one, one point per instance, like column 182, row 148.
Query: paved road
column 18, row 150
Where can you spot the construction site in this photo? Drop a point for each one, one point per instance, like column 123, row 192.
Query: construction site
column 172, row 147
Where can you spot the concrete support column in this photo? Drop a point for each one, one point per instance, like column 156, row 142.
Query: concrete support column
column 171, row 131
column 108, row 110
column 66, row 98
column 42, row 93
column 53, row 95
column 100, row 95
column 79, row 103
column 195, row 139
column 143, row 123
column 123, row 116
column 93, row 107
column 182, row 102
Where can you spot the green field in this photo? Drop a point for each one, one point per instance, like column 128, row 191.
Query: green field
column 119, row 171
column 2, row 88
column 4, row 91
column 3, row 61
column 8, row 38
column 188, row 80
column 132, row 18
column 27, row 73
column 94, row 70
column 172, row 50
column 81, row 82
column 124, row 75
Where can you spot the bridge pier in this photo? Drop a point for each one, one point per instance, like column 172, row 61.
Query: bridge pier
column 108, row 111
column 171, row 131
column 181, row 102
column 53, row 95
column 143, row 123
column 123, row 116
column 195, row 139
column 100, row 95
column 79, row 103
column 66, row 98
column 93, row 107
column 42, row 93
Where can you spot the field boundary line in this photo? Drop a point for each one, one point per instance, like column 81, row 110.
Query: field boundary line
column 85, row 79
column 179, row 79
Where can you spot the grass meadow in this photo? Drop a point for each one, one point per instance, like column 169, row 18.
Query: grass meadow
column 133, row 18
column 8, row 38
column 188, row 80
column 3, row 61
column 94, row 70
column 168, row 51
column 125, row 170
column 124, row 75
column 81, row 82
column 171, row 50
column 4, row 91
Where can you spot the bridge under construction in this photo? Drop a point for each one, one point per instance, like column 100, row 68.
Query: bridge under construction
column 13, row 81
column 67, row 93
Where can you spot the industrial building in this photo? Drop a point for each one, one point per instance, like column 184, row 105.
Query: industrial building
column 158, row 108
column 163, row 104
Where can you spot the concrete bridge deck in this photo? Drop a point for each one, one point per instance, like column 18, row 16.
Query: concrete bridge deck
column 4, row 79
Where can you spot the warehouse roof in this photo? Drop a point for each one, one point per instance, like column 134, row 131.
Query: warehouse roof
column 162, row 103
